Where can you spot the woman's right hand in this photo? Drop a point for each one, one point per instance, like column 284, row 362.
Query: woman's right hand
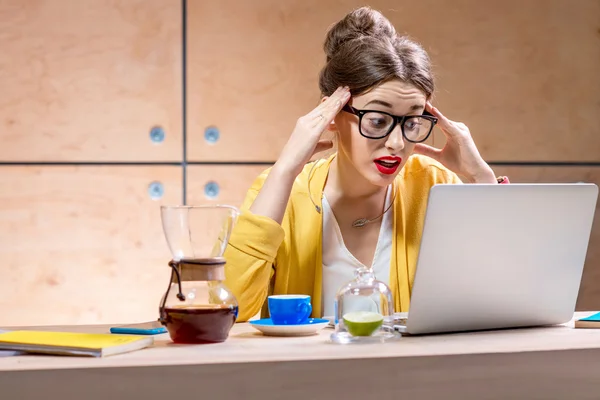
column 305, row 141
column 272, row 198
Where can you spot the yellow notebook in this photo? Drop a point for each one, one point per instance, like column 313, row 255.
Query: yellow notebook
column 71, row 343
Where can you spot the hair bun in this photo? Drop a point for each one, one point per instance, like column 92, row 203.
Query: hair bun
column 361, row 23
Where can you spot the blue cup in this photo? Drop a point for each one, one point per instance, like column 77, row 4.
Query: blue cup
column 289, row 309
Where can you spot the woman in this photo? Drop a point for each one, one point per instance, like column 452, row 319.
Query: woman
column 305, row 227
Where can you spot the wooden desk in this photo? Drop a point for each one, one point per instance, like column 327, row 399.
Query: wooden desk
column 536, row 363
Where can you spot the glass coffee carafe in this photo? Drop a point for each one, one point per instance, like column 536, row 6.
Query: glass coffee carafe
column 197, row 307
column 364, row 311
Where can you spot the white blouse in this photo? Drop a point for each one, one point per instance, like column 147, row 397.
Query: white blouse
column 339, row 264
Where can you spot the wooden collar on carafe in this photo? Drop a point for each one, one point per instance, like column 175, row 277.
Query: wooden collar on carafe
column 200, row 269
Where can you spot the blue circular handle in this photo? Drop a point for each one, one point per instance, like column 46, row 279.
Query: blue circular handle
column 157, row 134
column 156, row 190
column 211, row 190
column 212, row 135
column 304, row 309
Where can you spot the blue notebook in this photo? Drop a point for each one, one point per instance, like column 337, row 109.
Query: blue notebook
column 143, row 328
column 593, row 321
column 594, row 317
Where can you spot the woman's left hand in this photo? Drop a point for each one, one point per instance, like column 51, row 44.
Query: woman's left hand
column 460, row 154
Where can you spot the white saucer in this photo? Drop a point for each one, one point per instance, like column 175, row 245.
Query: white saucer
column 267, row 327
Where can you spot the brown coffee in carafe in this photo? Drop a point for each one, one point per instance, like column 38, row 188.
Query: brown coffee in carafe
column 198, row 307
column 200, row 324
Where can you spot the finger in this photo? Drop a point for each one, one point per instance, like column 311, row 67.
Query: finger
column 321, row 121
column 444, row 123
column 328, row 114
column 324, row 119
column 323, row 145
column 325, row 102
column 335, row 101
column 428, row 151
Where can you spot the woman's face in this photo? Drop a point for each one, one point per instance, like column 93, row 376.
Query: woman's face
column 378, row 160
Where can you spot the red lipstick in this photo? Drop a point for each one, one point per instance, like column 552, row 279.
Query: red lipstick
column 388, row 165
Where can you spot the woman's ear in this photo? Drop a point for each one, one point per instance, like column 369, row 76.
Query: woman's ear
column 331, row 127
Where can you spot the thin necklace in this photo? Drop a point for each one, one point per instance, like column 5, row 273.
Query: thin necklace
column 358, row 223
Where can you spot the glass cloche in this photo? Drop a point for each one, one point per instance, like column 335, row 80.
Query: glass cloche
column 364, row 310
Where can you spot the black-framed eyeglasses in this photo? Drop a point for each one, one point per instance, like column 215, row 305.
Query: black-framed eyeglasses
column 374, row 124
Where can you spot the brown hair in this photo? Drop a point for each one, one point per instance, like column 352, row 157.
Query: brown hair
column 363, row 50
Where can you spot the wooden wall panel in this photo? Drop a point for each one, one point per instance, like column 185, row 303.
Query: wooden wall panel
column 231, row 181
column 522, row 75
column 83, row 244
column 589, row 293
column 88, row 80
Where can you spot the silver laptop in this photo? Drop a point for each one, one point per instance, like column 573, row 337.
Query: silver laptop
column 500, row 256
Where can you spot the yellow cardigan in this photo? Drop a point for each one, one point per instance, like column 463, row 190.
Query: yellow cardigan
column 266, row 258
